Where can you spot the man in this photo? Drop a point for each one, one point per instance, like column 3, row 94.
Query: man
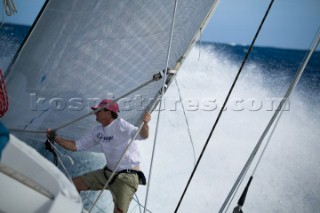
column 113, row 135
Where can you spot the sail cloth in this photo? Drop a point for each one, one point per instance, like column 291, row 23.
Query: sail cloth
column 80, row 52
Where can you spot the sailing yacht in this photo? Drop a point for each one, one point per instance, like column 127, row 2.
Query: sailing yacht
column 77, row 53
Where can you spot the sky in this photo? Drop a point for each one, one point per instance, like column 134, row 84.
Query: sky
column 290, row 23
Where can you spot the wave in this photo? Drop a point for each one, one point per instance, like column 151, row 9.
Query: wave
column 288, row 171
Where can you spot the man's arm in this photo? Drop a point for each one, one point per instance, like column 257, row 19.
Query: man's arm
column 67, row 144
column 144, row 133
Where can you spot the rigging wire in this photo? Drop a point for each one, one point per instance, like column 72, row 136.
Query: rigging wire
column 200, row 42
column 160, row 104
column 223, row 106
column 98, row 207
column 277, row 114
column 186, row 119
column 155, row 78
column 138, row 202
column 238, row 208
column 152, row 158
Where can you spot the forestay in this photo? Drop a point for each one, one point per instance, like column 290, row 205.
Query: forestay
column 81, row 51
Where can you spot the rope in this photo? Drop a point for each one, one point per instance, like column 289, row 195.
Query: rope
column 222, row 108
column 277, row 114
column 60, row 161
column 4, row 102
column 9, row 7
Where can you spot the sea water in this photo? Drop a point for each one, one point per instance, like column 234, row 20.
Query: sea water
column 287, row 177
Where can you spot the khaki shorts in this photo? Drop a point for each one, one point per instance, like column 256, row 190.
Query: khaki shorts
column 122, row 188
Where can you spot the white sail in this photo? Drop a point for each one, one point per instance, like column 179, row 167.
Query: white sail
column 80, row 52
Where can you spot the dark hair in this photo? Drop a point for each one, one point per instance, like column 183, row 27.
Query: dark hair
column 113, row 114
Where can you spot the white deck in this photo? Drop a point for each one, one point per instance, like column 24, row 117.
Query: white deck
column 30, row 183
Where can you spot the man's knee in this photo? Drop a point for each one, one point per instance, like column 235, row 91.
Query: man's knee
column 117, row 210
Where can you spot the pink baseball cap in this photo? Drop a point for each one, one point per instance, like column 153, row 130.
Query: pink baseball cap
column 114, row 107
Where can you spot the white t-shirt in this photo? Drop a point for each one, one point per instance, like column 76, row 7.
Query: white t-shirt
column 113, row 140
